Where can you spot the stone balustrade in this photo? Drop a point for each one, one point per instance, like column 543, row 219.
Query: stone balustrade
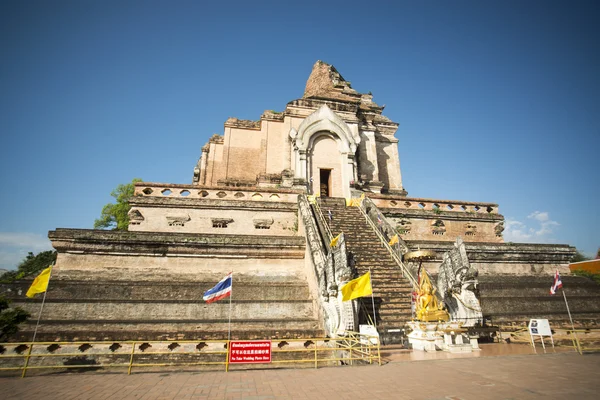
column 411, row 203
column 149, row 189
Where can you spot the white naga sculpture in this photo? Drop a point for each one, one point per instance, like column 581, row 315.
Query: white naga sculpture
column 456, row 284
column 333, row 268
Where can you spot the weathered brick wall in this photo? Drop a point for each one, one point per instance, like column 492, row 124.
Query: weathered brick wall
column 389, row 163
column 124, row 310
column 442, row 220
column 181, row 267
column 413, row 226
column 511, row 301
column 216, row 163
column 505, row 258
column 245, row 153
column 236, row 221
column 111, row 285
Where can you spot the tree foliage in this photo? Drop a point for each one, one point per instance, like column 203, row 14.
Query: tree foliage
column 10, row 318
column 32, row 264
column 590, row 275
column 579, row 257
column 115, row 216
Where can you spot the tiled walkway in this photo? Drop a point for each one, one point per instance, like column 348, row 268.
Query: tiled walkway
column 563, row 375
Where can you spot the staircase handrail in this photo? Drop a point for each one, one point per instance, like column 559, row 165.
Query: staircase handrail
column 405, row 271
column 388, row 229
column 323, row 224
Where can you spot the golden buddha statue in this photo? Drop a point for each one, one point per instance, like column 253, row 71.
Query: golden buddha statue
column 428, row 308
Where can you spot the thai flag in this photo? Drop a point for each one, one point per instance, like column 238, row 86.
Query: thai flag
column 220, row 291
column 379, row 219
column 557, row 283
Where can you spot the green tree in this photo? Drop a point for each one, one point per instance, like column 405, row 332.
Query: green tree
column 10, row 318
column 579, row 257
column 114, row 216
column 32, row 264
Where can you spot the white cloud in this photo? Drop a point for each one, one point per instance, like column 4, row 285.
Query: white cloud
column 538, row 232
column 540, row 216
column 515, row 231
column 15, row 246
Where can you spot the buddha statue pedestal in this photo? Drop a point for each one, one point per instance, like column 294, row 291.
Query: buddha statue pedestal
column 441, row 335
column 425, row 336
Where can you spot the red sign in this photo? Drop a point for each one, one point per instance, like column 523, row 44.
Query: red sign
column 250, row 351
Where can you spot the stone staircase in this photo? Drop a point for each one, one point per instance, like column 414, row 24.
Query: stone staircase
column 391, row 291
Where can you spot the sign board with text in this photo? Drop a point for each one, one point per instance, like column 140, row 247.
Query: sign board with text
column 368, row 330
column 250, row 351
column 540, row 327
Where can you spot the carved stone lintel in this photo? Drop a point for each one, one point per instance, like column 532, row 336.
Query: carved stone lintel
column 221, row 222
column 135, row 217
column 177, row 220
column 262, row 223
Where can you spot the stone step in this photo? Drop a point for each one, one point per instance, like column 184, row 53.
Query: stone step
column 392, row 292
column 391, row 284
column 100, row 290
column 394, row 306
column 394, row 315
column 173, row 330
column 386, row 274
column 397, row 320
column 379, row 287
column 194, row 311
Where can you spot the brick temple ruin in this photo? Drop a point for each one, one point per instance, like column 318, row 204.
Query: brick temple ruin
column 248, row 211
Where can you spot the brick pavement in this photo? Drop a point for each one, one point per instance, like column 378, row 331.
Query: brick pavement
column 544, row 376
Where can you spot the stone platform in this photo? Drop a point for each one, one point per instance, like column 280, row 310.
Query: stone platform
column 465, row 377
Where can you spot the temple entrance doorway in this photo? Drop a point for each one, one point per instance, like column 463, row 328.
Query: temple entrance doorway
column 325, row 166
column 325, row 182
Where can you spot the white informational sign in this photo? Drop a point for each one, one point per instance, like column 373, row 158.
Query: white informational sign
column 541, row 328
column 368, row 330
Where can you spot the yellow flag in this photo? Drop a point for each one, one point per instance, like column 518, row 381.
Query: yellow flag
column 394, row 240
column 355, row 202
column 40, row 283
column 335, row 240
column 358, row 287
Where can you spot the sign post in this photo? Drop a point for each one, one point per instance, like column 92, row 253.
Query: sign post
column 541, row 328
column 249, row 351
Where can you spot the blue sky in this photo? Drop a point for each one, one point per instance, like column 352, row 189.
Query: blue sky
column 497, row 101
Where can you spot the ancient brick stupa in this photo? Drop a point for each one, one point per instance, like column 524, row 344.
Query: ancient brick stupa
column 246, row 211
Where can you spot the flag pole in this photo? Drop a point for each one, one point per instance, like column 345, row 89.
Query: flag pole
column 41, row 308
column 229, row 328
column 230, row 296
column 569, row 311
column 372, row 299
column 36, row 327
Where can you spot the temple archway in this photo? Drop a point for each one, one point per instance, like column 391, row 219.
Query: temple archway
column 325, row 166
column 324, row 148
